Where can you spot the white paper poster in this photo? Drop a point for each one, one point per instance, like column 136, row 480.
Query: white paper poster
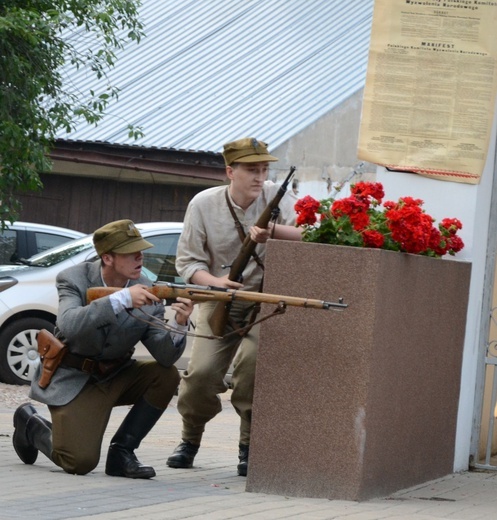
column 430, row 88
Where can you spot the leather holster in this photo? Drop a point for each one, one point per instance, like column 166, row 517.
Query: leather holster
column 52, row 352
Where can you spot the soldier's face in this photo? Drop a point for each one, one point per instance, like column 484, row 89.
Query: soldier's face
column 247, row 179
column 126, row 266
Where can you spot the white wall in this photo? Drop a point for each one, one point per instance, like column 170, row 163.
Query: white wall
column 471, row 205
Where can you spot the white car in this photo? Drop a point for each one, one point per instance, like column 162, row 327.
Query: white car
column 29, row 301
column 24, row 239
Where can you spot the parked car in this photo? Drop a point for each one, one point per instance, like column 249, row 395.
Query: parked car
column 25, row 239
column 29, row 301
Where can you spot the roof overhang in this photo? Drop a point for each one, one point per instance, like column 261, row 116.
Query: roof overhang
column 138, row 164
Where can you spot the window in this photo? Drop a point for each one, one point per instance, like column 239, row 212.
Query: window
column 8, row 246
column 45, row 241
column 162, row 257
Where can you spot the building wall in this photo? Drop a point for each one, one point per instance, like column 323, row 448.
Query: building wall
column 85, row 204
column 325, row 153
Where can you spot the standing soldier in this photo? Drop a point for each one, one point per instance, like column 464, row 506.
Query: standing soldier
column 216, row 222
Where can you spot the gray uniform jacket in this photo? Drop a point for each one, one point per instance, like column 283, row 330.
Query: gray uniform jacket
column 94, row 331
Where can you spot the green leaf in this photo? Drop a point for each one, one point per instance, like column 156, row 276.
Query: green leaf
column 36, row 102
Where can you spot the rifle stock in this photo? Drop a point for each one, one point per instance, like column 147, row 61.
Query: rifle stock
column 201, row 293
column 219, row 317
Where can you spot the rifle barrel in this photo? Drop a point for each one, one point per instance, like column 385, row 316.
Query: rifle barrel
column 208, row 293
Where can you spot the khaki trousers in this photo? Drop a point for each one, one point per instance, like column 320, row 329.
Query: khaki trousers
column 203, row 381
column 79, row 426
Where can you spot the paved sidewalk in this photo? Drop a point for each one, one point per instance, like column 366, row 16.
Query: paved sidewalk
column 211, row 490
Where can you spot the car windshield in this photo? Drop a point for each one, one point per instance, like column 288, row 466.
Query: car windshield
column 60, row 253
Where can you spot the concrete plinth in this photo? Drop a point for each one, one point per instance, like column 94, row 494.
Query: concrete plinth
column 357, row 403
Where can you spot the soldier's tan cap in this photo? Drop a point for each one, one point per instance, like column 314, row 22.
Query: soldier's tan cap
column 247, row 150
column 120, row 237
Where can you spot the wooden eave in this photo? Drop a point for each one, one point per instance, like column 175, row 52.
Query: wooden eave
column 138, row 164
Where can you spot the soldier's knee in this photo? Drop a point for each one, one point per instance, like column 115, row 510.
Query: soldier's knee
column 78, row 466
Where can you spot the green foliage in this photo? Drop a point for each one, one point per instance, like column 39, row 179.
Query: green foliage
column 34, row 100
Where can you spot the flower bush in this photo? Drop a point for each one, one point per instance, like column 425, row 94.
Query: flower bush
column 361, row 220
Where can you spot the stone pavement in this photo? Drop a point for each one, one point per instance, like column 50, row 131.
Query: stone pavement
column 211, row 490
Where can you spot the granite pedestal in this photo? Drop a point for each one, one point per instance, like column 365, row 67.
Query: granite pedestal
column 357, row 403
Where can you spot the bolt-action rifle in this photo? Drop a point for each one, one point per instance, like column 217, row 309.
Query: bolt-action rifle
column 201, row 293
column 220, row 315
column 205, row 293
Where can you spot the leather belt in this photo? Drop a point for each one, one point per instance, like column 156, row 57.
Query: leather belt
column 92, row 366
column 84, row 364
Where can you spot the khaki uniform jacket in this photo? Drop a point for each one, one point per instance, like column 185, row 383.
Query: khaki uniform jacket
column 95, row 332
column 210, row 240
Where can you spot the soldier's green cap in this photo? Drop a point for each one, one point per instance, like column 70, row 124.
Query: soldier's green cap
column 120, row 237
column 247, row 150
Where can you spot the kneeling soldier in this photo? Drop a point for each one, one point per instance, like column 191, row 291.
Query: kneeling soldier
column 98, row 372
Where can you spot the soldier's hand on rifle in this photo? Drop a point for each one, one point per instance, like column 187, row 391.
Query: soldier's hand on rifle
column 140, row 296
column 224, row 281
column 202, row 277
column 183, row 308
column 260, row 235
column 283, row 232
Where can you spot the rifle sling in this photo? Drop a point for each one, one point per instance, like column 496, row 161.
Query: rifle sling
column 239, row 228
column 243, row 331
column 153, row 321
column 241, row 234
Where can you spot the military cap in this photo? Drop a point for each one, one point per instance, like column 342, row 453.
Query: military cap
column 121, row 237
column 247, row 150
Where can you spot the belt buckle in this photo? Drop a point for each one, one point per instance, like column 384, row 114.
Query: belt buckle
column 88, row 365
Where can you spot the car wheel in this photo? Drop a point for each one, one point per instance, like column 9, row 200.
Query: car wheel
column 19, row 356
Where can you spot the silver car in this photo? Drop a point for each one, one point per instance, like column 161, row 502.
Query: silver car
column 24, row 239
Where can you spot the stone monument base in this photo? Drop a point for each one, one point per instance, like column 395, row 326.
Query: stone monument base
column 358, row 403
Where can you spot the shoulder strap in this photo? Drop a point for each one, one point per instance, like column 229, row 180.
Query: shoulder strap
column 238, row 224
column 241, row 233
column 239, row 228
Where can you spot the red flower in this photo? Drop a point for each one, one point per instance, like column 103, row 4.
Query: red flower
column 455, row 244
column 410, row 226
column 357, row 221
column 373, row 238
column 451, row 225
column 355, row 209
column 306, row 209
column 368, row 190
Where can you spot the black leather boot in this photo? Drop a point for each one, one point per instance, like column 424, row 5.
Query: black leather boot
column 243, row 456
column 24, row 449
column 183, row 455
column 32, row 433
column 39, row 432
column 121, row 459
